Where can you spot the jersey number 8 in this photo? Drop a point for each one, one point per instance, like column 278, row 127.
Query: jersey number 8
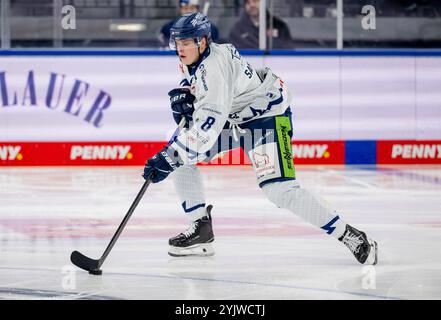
column 207, row 124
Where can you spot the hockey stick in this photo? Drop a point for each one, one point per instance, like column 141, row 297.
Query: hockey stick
column 93, row 266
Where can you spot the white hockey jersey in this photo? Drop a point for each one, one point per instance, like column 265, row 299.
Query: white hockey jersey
column 227, row 88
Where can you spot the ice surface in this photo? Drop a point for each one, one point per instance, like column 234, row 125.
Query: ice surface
column 262, row 252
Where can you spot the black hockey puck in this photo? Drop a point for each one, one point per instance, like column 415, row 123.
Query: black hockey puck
column 96, row 272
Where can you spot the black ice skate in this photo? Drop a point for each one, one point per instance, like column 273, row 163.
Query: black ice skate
column 364, row 249
column 196, row 240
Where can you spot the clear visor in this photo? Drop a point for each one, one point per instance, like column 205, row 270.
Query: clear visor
column 187, row 43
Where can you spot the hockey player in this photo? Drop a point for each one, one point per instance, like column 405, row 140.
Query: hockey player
column 228, row 104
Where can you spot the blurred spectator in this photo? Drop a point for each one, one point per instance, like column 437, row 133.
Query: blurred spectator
column 185, row 6
column 245, row 33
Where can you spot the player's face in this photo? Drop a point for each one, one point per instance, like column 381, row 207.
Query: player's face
column 188, row 51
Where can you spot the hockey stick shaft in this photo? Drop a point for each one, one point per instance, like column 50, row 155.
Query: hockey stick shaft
column 132, row 207
column 124, row 222
column 177, row 131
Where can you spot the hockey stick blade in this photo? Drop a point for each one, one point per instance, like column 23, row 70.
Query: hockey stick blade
column 85, row 263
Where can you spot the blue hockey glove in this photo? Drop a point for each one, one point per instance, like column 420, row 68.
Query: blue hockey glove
column 161, row 165
column 181, row 101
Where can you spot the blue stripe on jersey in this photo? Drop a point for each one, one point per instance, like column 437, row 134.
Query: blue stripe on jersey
column 193, row 153
column 270, row 105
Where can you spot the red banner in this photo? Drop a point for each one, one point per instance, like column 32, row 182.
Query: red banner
column 319, row 152
column 77, row 153
column 136, row 153
column 409, row 152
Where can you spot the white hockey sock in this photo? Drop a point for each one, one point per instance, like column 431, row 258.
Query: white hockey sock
column 190, row 188
column 289, row 195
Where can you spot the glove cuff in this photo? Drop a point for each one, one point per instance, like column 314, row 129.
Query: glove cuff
column 171, row 156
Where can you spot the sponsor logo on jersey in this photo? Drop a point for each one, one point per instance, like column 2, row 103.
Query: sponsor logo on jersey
column 100, row 152
column 212, row 110
column 416, row 151
column 260, row 160
column 204, row 83
column 286, row 152
column 264, row 158
column 10, row 152
column 311, row 151
column 203, row 70
column 197, row 136
column 191, row 139
column 74, row 97
column 203, row 76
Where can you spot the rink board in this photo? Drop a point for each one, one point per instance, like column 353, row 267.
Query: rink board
column 136, row 153
column 110, row 108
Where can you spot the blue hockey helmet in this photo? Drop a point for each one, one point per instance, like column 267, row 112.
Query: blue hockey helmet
column 190, row 26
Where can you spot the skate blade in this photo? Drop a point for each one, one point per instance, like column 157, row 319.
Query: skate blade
column 197, row 250
column 373, row 253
